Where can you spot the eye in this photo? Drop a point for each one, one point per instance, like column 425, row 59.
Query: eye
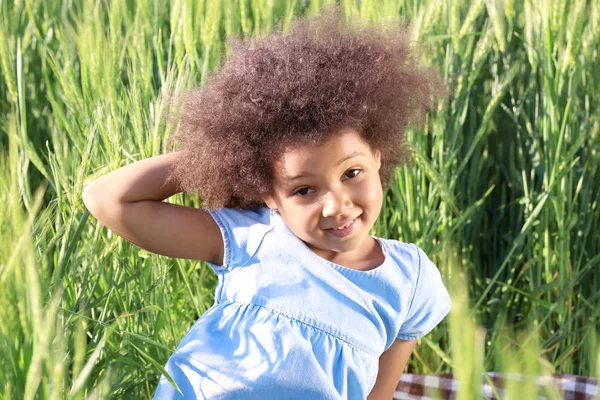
column 352, row 173
column 303, row 191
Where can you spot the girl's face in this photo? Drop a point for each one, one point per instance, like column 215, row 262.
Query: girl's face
column 330, row 195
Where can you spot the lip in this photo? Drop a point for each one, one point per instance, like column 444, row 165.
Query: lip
column 346, row 231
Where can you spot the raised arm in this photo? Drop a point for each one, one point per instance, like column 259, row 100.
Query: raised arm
column 129, row 201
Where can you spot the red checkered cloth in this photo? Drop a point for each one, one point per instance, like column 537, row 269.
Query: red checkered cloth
column 445, row 386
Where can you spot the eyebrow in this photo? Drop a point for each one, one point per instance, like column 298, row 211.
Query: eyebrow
column 355, row 153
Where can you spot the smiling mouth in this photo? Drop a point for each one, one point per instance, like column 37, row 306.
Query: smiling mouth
column 344, row 230
column 346, row 225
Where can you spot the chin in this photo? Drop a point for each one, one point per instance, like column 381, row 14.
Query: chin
column 344, row 246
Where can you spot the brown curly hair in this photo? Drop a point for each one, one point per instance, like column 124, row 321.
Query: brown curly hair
column 293, row 89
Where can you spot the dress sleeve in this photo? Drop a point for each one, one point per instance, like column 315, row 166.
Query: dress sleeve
column 430, row 302
column 243, row 232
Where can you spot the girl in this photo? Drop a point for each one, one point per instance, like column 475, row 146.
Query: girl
column 288, row 146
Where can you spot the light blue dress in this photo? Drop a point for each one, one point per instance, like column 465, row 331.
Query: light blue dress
column 288, row 324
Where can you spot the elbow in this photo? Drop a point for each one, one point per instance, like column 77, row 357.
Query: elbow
column 101, row 206
column 87, row 196
column 95, row 202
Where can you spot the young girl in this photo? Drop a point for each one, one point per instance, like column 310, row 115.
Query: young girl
column 288, row 146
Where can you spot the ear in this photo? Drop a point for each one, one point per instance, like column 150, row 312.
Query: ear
column 269, row 201
column 378, row 159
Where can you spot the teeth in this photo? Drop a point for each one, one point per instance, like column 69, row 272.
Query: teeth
column 345, row 226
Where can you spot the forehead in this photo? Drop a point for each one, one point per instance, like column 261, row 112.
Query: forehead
column 328, row 154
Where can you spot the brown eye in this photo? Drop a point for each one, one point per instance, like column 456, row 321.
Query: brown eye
column 352, row 173
column 304, row 191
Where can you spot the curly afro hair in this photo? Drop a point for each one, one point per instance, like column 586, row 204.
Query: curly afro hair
column 293, row 89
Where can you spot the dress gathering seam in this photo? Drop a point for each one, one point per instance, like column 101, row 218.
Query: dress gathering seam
column 354, row 345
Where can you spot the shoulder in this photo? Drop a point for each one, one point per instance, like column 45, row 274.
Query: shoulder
column 242, row 231
column 410, row 260
column 241, row 217
column 408, row 257
column 398, row 247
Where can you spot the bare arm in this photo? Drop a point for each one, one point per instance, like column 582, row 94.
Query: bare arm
column 391, row 365
column 129, row 201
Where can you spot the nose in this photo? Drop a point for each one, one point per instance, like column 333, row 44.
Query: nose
column 336, row 203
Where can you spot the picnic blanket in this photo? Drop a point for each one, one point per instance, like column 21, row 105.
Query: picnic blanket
column 424, row 387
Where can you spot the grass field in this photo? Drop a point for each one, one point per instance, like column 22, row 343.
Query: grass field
column 503, row 192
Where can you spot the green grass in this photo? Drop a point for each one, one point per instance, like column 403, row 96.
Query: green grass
column 503, row 193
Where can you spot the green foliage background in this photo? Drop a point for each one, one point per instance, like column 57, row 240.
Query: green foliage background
column 503, row 193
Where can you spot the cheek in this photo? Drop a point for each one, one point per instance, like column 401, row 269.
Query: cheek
column 302, row 223
column 372, row 193
column 301, row 218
